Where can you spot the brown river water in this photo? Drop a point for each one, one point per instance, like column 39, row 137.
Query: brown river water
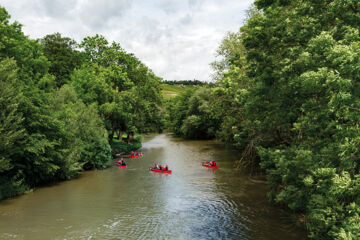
column 134, row 203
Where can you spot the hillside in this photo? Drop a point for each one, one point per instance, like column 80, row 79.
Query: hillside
column 170, row 91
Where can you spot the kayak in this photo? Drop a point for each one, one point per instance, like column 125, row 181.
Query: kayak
column 208, row 166
column 160, row 171
column 119, row 165
column 136, row 156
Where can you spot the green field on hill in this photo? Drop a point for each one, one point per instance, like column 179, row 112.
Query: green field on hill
column 170, row 91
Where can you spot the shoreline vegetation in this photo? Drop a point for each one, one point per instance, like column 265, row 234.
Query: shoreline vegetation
column 286, row 95
column 62, row 102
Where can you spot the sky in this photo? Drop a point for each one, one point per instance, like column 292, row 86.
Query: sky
column 177, row 39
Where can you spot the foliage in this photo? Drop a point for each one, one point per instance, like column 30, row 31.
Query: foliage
column 11, row 129
column 304, row 63
column 190, row 114
column 127, row 93
column 287, row 95
column 126, row 148
column 57, row 100
column 87, row 138
column 63, row 55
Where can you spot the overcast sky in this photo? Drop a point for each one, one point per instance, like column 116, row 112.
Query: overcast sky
column 177, row 39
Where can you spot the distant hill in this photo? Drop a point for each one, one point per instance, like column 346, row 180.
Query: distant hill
column 172, row 90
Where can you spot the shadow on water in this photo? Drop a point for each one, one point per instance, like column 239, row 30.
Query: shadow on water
column 134, row 203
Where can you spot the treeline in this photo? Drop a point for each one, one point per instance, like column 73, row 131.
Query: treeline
column 62, row 102
column 185, row 82
column 288, row 96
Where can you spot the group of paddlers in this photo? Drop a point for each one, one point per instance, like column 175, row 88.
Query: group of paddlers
column 210, row 163
column 136, row 154
column 159, row 167
column 121, row 162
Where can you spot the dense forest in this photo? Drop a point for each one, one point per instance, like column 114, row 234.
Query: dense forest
column 287, row 95
column 62, row 103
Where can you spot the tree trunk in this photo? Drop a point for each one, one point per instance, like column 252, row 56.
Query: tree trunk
column 120, row 135
column 111, row 135
column 130, row 138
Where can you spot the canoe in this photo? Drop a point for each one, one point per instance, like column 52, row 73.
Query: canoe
column 136, row 156
column 119, row 165
column 208, row 166
column 160, row 171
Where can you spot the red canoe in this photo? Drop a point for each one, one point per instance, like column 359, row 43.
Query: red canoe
column 208, row 166
column 136, row 156
column 119, row 165
column 160, row 171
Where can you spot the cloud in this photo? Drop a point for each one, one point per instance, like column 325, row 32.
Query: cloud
column 96, row 14
column 57, row 8
column 177, row 39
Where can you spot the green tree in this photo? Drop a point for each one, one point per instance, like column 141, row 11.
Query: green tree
column 191, row 115
column 46, row 135
column 63, row 55
column 303, row 58
column 126, row 91
column 10, row 118
column 11, row 130
column 85, row 142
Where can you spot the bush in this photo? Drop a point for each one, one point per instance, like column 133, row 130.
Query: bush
column 127, row 148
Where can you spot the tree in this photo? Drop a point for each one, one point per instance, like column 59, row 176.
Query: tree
column 85, row 142
column 63, row 55
column 191, row 115
column 126, row 91
column 46, row 135
column 11, row 130
column 10, row 118
column 302, row 57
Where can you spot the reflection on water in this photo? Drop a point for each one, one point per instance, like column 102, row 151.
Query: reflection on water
column 134, row 203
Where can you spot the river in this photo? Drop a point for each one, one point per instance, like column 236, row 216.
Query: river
column 134, row 203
